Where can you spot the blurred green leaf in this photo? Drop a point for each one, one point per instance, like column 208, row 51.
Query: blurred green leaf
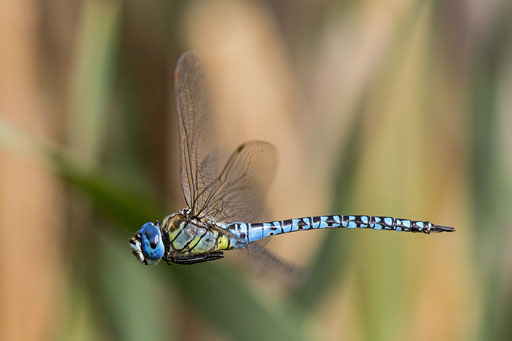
column 130, row 298
column 215, row 291
column 92, row 86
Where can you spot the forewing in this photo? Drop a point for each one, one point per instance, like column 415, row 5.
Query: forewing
column 199, row 167
column 238, row 192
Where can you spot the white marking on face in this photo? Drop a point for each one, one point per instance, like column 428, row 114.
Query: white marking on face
column 137, row 251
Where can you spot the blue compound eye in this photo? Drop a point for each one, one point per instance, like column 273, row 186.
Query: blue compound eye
column 151, row 241
column 152, row 236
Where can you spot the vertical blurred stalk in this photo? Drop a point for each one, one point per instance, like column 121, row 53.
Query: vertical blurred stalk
column 92, row 83
column 91, row 87
column 389, row 174
column 30, row 224
column 492, row 186
column 331, row 261
column 125, row 304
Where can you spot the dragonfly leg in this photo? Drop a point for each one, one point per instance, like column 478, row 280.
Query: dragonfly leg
column 193, row 259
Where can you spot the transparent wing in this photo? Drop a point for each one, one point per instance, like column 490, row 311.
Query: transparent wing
column 271, row 267
column 237, row 193
column 199, row 161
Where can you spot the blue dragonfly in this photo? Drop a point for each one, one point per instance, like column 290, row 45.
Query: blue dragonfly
column 223, row 206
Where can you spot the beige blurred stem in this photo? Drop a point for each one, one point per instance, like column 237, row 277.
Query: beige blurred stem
column 254, row 96
column 30, row 223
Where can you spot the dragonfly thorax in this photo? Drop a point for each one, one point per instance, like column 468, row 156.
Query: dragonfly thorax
column 188, row 234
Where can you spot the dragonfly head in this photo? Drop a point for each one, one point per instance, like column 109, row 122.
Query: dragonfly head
column 147, row 245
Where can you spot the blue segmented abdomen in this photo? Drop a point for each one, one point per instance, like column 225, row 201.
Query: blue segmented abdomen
column 250, row 232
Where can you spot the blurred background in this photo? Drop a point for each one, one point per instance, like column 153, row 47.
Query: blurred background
column 399, row 108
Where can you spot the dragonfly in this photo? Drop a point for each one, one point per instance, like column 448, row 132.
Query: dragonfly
column 223, row 205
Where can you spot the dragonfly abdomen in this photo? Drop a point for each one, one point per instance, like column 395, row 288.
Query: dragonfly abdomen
column 256, row 231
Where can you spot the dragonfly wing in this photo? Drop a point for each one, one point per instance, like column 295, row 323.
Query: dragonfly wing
column 238, row 192
column 199, row 161
column 270, row 265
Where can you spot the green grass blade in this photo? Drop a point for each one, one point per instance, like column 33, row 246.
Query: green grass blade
column 214, row 290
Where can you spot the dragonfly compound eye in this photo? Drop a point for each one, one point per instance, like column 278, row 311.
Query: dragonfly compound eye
column 151, row 243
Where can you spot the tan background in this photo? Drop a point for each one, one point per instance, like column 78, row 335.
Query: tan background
column 397, row 108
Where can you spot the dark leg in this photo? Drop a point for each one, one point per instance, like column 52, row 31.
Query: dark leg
column 193, row 259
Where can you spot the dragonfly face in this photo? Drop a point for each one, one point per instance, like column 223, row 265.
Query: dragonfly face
column 147, row 245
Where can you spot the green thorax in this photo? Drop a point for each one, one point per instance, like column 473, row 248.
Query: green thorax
column 189, row 235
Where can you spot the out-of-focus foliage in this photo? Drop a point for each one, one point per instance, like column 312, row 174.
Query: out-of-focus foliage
column 387, row 108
